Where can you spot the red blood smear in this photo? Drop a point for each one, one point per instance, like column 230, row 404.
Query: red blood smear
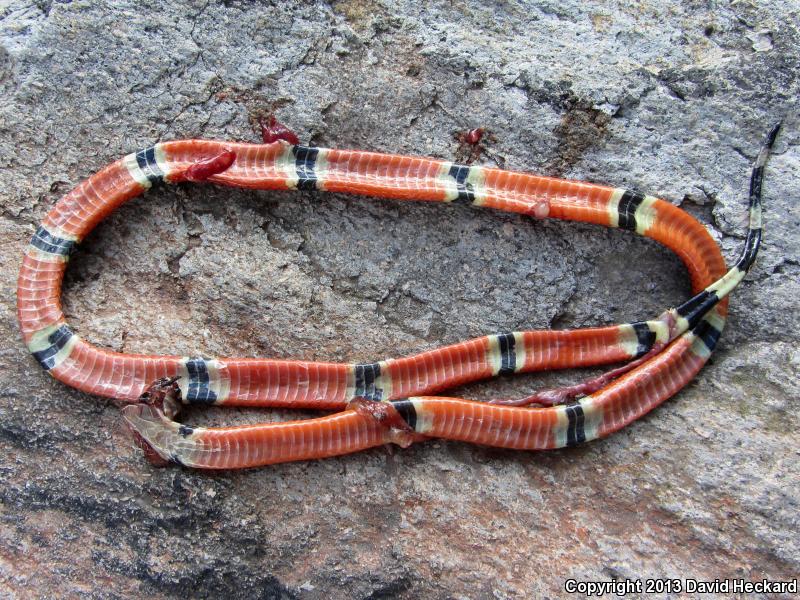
column 474, row 136
column 213, row 166
column 274, row 131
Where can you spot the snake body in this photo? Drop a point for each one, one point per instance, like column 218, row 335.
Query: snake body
column 389, row 400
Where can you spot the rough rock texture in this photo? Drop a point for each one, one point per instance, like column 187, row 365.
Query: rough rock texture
column 673, row 100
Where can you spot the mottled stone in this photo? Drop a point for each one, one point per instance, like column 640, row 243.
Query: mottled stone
column 672, row 99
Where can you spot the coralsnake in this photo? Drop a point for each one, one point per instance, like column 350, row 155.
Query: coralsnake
column 385, row 401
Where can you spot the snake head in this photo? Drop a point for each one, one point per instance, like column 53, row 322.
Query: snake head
column 150, row 420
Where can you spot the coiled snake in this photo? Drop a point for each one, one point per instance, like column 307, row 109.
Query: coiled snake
column 385, row 401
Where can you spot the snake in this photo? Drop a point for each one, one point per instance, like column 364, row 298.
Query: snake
column 391, row 400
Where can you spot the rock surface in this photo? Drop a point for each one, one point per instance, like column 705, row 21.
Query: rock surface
column 670, row 99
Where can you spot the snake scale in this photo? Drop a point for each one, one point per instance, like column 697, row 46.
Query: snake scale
column 389, row 400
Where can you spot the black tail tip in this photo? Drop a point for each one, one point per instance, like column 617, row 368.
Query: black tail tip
column 773, row 133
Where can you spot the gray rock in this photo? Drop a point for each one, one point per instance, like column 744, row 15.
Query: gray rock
column 670, row 99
